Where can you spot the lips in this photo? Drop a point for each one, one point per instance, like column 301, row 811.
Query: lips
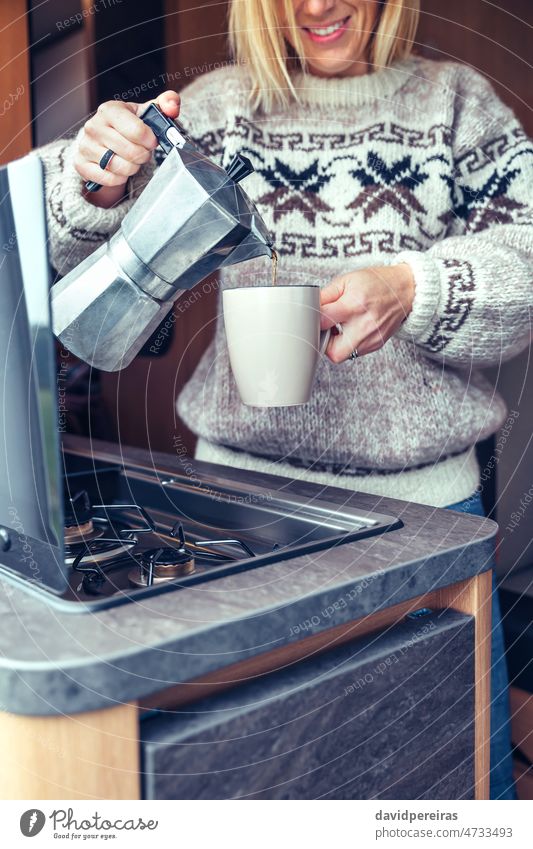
column 329, row 32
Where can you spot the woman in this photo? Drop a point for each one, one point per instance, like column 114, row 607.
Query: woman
column 399, row 184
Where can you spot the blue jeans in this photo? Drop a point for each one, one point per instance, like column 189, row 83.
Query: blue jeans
column 501, row 763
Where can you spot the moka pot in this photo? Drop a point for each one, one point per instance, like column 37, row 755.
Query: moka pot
column 192, row 218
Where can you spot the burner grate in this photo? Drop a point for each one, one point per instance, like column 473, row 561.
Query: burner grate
column 100, row 557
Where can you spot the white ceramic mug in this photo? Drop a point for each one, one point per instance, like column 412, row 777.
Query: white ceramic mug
column 274, row 342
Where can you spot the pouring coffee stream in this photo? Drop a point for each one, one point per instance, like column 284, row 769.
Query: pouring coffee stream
column 192, row 219
column 275, row 259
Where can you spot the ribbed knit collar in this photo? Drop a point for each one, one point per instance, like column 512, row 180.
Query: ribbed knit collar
column 353, row 91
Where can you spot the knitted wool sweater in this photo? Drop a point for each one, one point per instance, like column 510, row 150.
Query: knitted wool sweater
column 418, row 163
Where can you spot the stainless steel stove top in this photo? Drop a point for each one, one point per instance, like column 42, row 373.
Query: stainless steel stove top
column 132, row 532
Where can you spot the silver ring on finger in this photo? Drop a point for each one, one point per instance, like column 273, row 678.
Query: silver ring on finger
column 354, row 355
column 106, row 159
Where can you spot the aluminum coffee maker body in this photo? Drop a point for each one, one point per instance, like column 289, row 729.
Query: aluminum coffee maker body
column 191, row 219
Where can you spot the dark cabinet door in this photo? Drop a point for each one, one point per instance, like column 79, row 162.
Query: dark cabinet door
column 389, row 716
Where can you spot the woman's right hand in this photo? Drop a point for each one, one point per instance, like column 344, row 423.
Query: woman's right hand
column 117, row 126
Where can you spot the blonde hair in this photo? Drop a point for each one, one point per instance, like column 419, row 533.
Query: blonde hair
column 256, row 39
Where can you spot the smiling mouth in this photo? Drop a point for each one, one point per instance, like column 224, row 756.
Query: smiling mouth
column 327, row 33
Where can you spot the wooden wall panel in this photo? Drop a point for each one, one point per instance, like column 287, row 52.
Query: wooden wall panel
column 495, row 38
column 15, row 102
column 196, row 33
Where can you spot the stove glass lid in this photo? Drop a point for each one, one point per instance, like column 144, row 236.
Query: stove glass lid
column 31, row 489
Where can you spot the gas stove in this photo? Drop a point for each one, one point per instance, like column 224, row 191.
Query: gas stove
column 131, row 532
column 113, row 548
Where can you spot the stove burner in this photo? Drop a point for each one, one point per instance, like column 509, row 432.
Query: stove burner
column 79, row 523
column 82, row 533
column 98, row 549
column 88, row 542
column 106, row 552
column 161, row 564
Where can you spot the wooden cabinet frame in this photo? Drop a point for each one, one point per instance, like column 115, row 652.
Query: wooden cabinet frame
column 96, row 754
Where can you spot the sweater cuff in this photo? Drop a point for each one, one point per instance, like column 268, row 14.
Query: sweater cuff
column 84, row 217
column 426, row 272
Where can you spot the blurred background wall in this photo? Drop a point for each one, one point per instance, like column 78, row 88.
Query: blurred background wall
column 66, row 56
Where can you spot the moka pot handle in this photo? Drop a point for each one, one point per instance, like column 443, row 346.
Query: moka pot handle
column 168, row 133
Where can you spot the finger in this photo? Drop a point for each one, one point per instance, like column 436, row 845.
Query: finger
column 92, row 171
column 335, row 313
column 110, row 139
column 122, row 117
column 333, row 291
column 93, row 152
column 341, row 346
column 168, row 102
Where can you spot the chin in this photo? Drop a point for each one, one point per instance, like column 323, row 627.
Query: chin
column 334, row 67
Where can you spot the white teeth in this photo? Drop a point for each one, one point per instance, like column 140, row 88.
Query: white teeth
column 327, row 30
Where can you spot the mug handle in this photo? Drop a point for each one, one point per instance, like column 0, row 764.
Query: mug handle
column 324, row 339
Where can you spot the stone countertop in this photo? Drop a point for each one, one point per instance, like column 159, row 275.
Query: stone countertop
column 59, row 662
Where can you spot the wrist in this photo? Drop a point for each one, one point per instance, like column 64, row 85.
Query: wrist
column 404, row 285
column 427, row 294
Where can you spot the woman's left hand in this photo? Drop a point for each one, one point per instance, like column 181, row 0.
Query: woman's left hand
column 370, row 304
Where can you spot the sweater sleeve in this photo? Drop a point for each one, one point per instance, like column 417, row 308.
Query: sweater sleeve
column 473, row 300
column 75, row 226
